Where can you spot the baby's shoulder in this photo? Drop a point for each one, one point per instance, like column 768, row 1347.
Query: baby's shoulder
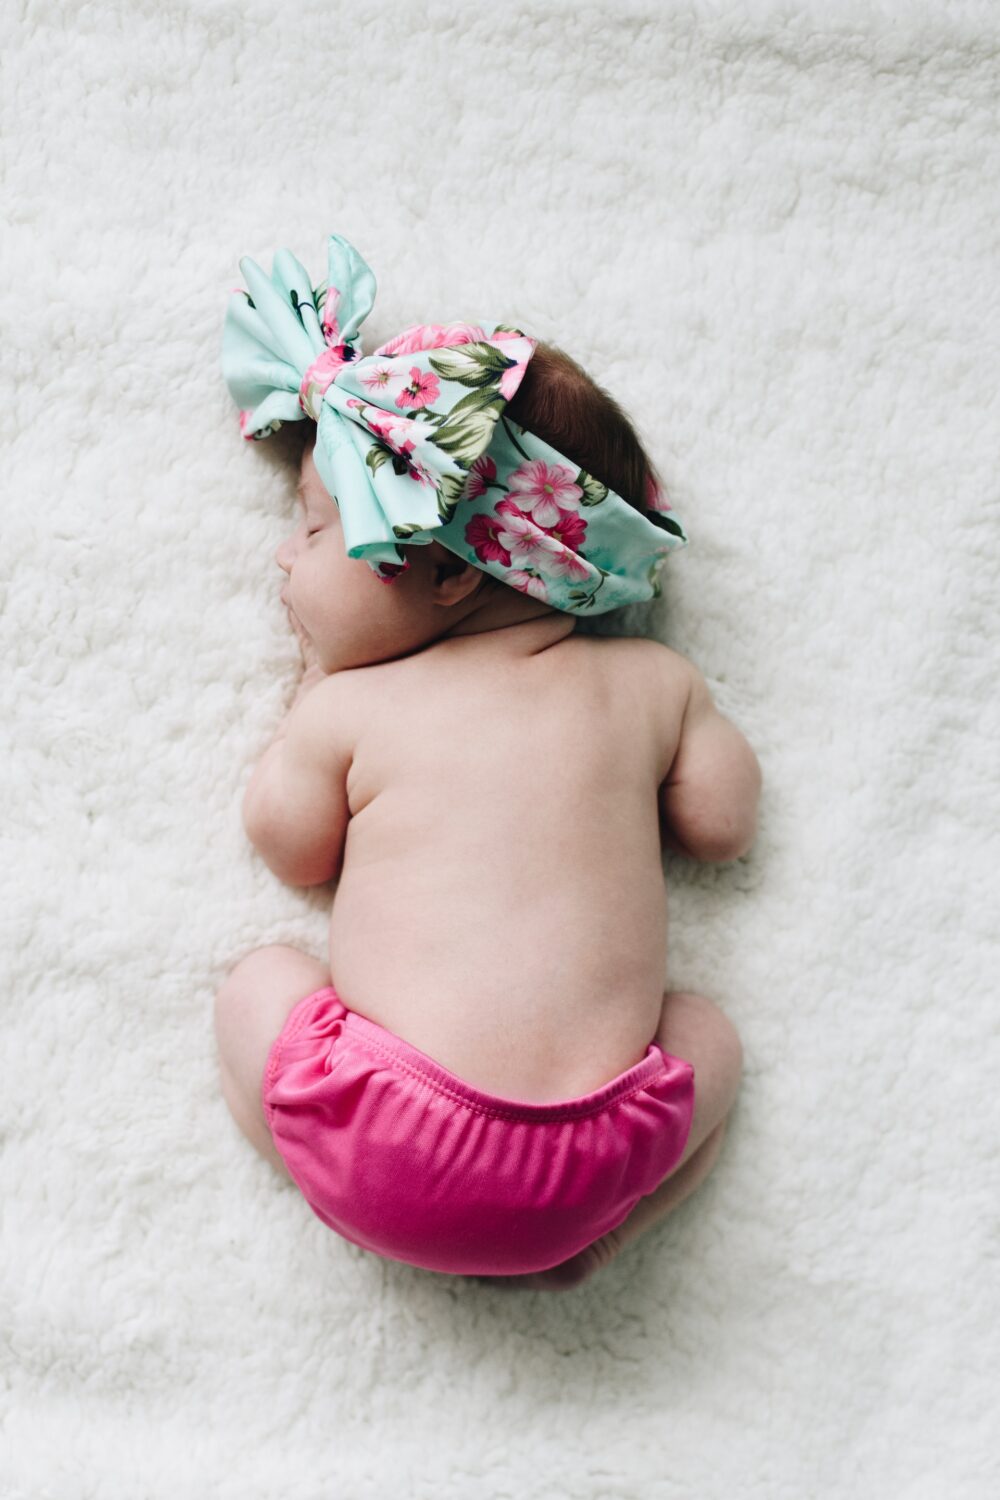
column 664, row 670
column 651, row 684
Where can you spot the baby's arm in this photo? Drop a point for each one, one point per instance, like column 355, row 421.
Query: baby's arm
column 709, row 797
column 295, row 809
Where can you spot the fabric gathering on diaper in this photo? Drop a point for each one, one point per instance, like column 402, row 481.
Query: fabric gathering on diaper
column 400, row 1156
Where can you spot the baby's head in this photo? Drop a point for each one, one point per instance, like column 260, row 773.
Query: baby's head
column 354, row 619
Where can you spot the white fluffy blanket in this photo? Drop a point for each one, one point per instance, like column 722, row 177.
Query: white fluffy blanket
column 771, row 231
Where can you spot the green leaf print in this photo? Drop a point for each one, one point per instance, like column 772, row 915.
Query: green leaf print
column 450, row 492
column 475, row 401
column 665, row 522
column 467, row 433
column 406, row 529
column 471, row 364
column 584, row 600
column 593, row 490
column 380, row 453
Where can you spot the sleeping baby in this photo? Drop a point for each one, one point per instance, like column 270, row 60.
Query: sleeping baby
column 484, row 1075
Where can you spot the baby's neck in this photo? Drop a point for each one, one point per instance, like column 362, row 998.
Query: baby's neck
column 522, row 627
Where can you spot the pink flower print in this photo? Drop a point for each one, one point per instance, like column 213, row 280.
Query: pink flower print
column 483, row 534
column 482, row 472
column 399, row 432
column 379, row 377
column 396, row 432
column 431, row 336
column 570, row 529
column 511, row 379
column 420, row 473
column 328, row 319
column 383, row 424
column 523, row 538
column 464, row 333
column 528, row 583
column 459, row 333
column 424, row 387
column 544, row 489
column 378, row 424
column 568, row 565
column 389, row 572
column 251, row 434
column 404, row 448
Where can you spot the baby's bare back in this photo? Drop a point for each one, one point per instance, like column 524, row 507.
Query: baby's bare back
column 502, row 904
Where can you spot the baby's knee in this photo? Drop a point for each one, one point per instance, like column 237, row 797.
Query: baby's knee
column 262, row 986
column 238, row 986
column 263, row 964
column 730, row 1049
column 693, row 1027
column 263, row 971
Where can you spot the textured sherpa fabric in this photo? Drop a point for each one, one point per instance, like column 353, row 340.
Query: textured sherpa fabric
column 771, row 231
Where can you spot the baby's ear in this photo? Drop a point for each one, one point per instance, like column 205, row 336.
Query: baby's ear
column 452, row 578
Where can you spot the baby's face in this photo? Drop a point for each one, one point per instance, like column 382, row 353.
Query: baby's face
column 352, row 619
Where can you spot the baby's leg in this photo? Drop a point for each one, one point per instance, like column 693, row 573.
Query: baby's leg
column 251, row 1007
column 693, row 1028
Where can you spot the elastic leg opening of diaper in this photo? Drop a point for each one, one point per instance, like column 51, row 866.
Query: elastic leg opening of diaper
column 295, row 1021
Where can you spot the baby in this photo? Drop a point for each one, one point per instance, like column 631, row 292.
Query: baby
column 485, row 1077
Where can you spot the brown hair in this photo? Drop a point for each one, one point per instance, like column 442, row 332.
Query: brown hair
column 559, row 402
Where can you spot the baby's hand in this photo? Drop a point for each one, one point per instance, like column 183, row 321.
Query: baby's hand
column 310, row 660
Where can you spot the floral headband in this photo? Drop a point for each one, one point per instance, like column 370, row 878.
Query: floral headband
column 414, row 445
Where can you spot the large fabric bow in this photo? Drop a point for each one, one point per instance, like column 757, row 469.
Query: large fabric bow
column 413, row 444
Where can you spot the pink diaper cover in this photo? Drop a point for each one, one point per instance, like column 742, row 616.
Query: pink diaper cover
column 403, row 1158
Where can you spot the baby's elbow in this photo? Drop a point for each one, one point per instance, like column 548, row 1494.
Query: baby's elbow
column 724, row 848
column 738, row 830
column 303, row 881
column 741, row 847
column 257, row 827
column 741, row 834
column 299, row 871
column 261, row 831
column 721, row 840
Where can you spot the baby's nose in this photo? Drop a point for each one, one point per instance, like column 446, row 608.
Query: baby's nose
column 283, row 556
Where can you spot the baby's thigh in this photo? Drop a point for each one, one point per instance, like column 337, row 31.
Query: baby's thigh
column 251, row 1006
column 695, row 1029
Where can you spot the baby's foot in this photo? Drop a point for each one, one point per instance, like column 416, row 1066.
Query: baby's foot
column 568, row 1274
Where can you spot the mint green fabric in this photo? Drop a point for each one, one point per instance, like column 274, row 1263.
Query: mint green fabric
column 414, row 446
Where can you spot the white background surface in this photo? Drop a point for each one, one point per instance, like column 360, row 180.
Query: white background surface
column 772, row 234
